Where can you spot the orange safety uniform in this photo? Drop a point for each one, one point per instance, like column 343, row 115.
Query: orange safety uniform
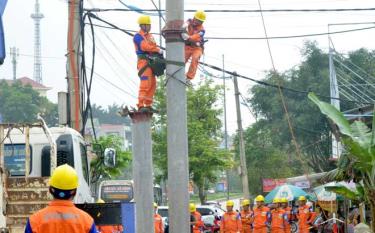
column 194, row 47
column 289, row 214
column 304, row 215
column 198, row 222
column 279, row 219
column 231, row 223
column 110, row 229
column 262, row 217
column 144, row 45
column 60, row 216
column 247, row 221
column 158, row 223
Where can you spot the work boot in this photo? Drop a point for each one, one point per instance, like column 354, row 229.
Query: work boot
column 188, row 83
column 144, row 109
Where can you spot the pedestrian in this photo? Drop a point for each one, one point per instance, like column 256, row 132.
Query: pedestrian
column 261, row 215
column 108, row 228
column 145, row 46
column 231, row 220
column 194, row 43
column 246, row 217
column 279, row 217
column 288, row 212
column 198, row 218
column 158, row 220
column 61, row 215
column 303, row 215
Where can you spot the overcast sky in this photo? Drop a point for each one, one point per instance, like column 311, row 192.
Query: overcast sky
column 116, row 60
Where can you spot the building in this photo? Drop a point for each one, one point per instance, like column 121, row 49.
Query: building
column 34, row 85
column 123, row 131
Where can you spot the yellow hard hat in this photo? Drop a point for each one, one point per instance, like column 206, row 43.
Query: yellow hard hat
column 100, row 201
column 259, row 198
column 64, row 177
column 245, row 202
column 192, row 207
column 284, row 200
column 230, row 203
column 155, row 205
column 276, row 200
column 144, row 19
column 200, row 15
column 302, row 198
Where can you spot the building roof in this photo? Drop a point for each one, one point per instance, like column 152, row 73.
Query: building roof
column 29, row 81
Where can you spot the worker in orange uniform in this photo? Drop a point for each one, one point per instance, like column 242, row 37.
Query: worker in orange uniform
column 61, row 215
column 198, row 218
column 288, row 212
column 108, row 228
column 303, row 215
column 279, row 218
column 246, row 217
column 261, row 215
column 231, row 220
column 158, row 220
column 194, row 40
column 145, row 45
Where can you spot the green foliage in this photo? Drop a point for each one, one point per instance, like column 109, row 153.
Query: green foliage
column 109, row 115
column 123, row 158
column 21, row 104
column 345, row 192
column 206, row 159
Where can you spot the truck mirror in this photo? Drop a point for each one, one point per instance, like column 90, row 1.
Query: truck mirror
column 110, row 157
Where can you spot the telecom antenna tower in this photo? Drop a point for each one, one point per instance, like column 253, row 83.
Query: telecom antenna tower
column 37, row 16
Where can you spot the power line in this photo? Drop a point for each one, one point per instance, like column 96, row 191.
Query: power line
column 239, row 11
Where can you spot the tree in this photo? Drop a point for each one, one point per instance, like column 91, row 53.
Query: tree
column 358, row 163
column 206, row 159
column 21, row 104
column 123, row 158
column 109, row 115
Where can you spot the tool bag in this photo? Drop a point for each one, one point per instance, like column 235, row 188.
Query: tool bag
column 155, row 61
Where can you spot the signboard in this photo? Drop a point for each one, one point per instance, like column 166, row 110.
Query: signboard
column 305, row 184
column 270, row 184
column 15, row 159
column 117, row 193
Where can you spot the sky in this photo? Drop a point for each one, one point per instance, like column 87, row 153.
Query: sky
column 116, row 60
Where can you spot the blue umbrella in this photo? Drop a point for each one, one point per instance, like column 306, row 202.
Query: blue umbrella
column 287, row 191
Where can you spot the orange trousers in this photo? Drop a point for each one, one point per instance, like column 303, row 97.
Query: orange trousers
column 194, row 53
column 260, row 230
column 277, row 230
column 246, row 228
column 303, row 229
column 288, row 228
column 147, row 85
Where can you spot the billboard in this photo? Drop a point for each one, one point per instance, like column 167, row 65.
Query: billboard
column 269, row 184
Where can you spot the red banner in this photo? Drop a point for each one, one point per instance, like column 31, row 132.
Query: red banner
column 269, row 184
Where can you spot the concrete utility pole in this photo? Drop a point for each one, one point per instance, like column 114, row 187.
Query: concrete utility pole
column 245, row 182
column 73, row 63
column 225, row 128
column 14, row 53
column 178, row 164
column 143, row 172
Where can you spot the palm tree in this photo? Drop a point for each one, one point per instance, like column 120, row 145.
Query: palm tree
column 358, row 161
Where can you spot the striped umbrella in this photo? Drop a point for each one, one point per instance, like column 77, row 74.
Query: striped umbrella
column 290, row 192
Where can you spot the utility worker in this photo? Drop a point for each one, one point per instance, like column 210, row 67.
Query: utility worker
column 108, row 228
column 198, row 218
column 261, row 215
column 246, row 217
column 61, row 215
column 145, row 45
column 288, row 212
column 278, row 217
column 158, row 220
column 231, row 220
column 194, row 40
column 303, row 215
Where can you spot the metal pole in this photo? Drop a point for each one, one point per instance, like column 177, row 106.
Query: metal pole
column 73, row 63
column 245, row 182
column 142, row 172
column 160, row 36
column 2, row 176
column 178, row 165
column 225, row 129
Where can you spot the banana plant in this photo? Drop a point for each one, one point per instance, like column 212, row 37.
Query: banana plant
column 358, row 161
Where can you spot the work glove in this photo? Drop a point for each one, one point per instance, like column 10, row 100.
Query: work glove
column 184, row 36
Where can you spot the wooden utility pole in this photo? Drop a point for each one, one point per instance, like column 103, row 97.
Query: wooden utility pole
column 178, row 164
column 244, row 178
column 73, row 64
